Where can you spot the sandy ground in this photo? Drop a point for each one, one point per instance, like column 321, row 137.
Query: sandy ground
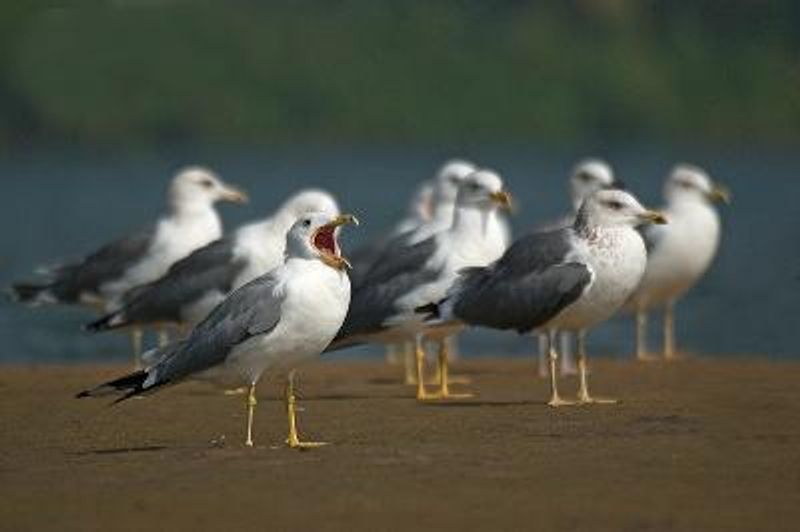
column 696, row 445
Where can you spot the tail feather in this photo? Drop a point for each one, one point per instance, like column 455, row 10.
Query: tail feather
column 431, row 311
column 32, row 294
column 132, row 384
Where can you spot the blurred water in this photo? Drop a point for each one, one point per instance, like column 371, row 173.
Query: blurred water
column 60, row 204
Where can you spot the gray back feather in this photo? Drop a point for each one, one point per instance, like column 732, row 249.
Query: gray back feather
column 252, row 310
column 528, row 286
column 401, row 270
column 105, row 265
column 213, row 268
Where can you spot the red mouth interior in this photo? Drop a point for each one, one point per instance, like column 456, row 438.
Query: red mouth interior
column 325, row 240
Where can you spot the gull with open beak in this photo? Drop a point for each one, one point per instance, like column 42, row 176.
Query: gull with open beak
column 102, row 278
column 383, row 307
column 270, row 325
column 680, row 253
column 195, row 285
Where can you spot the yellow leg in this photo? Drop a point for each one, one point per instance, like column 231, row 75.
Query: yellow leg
column 408, row 361
column 293, row 440
column 669, row 331
column 444, row 377
column 251, row 403
column 583, row 393
column 555, row 399
column 641, row 337
column 452, row 379
column 163, row 337
column 419, row 356
column 136, row 347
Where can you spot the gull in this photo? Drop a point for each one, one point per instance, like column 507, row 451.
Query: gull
column 102, row 278
column 680, row 253
column 410, row 276
column 196, row 284
column 568, row 279
column 270, row 325
column 588, row 176
column 431, row 211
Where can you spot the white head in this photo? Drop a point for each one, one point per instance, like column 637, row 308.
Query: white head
column 588, row 177
column 615, row 208
column 315, row 236
column 198, row 188
column 690, row 183
column 306, row 201
column 483, row 190
column 446, row 182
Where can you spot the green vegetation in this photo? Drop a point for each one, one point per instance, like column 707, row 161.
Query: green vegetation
column 361, row 70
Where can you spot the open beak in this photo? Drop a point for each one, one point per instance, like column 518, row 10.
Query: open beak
column 653, row 217
column 234, row 195
column 503, row 199
column 720, row 194
column 336, row 260
column 343, row 219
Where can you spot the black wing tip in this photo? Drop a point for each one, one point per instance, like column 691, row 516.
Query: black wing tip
column 25, row 292
column 132, row 384
column 103, row 324
column 431, row 311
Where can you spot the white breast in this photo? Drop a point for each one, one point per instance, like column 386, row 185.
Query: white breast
column 683, row 253
column 313, row 310
column 617, row 259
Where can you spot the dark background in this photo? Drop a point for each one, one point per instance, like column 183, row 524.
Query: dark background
column 100, row 102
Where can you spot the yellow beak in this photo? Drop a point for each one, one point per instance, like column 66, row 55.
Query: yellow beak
column 503, row 199
column 344, row 219
column 234, row 195
column 720, row 194
column 653, row 217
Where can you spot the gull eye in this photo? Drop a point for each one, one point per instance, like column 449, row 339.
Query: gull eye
column 585, row 177
column 306, row 223
column 474, row 187
column 614, row 205
column 207, row 183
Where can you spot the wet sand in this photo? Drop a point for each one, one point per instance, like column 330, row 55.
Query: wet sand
column 695, row 445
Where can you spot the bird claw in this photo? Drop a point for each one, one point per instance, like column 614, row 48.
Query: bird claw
column 294, row 443
column 557, row 402
column 587, row 400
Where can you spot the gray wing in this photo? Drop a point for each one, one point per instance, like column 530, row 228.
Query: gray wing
column 107, row 264
column 370, row 255
column 213, row 268
column 399, row 272
column 252, row 310
column 527, row 287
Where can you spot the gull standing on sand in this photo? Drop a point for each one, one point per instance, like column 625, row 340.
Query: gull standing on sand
column 272, row 325
column 196, row 284
column 102, row 278
column 588, row 176
column 567, row 279
column 383, row 306
column 680, row 253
